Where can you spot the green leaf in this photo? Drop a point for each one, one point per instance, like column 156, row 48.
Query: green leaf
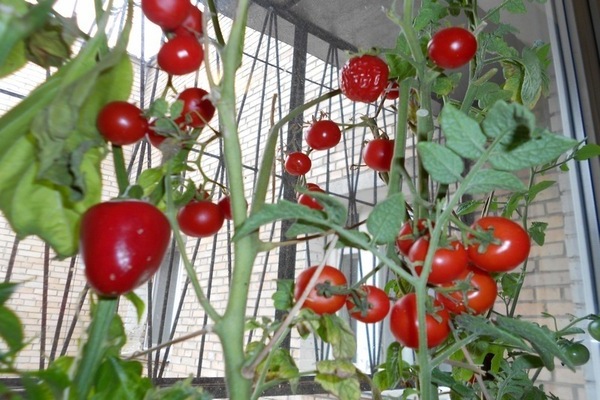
column 120, row 379
column 180, row 390
column 488, row 93
column 537, row 189
column 398, row 62
column 339, row 378
column 11, row 330
column 537, row 231
column 334, row 209
column 445, row 84
column 386, row 219
column 510, row 284
column 463, row 134
column 483, row 327
column 283, row 298
column 441, row 163
column 429, row 11
column 281, row 365
column 6, row 290
column 335, row 331
column 515, row 7
column 488, row 180
column 511, row 122
column 138, row 303
column 533, row 79
column 587, row 151
column 54, row 379
column 468, row 207
column 299, row 228
column 445, row 379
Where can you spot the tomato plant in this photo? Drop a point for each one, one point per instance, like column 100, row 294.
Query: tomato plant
column 449, row 262
column 198, row 110
column 200, row 218
column 323, row 134
column 404, row 323
column 320, row 299
column 168, row 14
column 122, row 244
column 121, row 123
column 180, row 55
column 297, row 163
column 364, row 78
column 378, row 153
column 407, row 237
column 369, row 305
column 507, row 248
column 477, row 299
column 452, row 47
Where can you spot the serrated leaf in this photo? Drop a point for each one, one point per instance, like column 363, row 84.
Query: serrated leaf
column 386, row 219
column 533, row 79
column 511, row 122
column 445, row 84
column 468, row 207
column 515, row 6
column 11, row 330
column 488, row 180
column 281, row 367
column 488, row 93
column 353, row 238
column 537, row 231
column 587, row 151
column 483, row 327
column 335, row 331
column 442, row 164
column 299, row 228
column 120, row 379
column 429, row 11
column 463, row 134
column 334, row 209
column 339, row 378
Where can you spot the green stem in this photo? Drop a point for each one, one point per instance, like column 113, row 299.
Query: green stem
column 395, row 177
column 120, row 170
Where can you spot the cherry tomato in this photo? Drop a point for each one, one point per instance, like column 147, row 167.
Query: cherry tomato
column 319, row 303
column 406, row 237
column 576, row 352
column 309, row 201
column 479, row 299
column 168, row 14
column 323, row 134
column 198, row 110
column 404, row 323
column 297, row 163
column 372, row 307
column 122, row 244
column 512, row 249
column 378, row 154
column 392, row 91
column 225, row 204
column 200, row 218
column 364, row 78
column 447, row 264
column 594, row 329
column 154, row 138
column 180, row 55
column 192, row 23
column 121, row 123
column 452, row 47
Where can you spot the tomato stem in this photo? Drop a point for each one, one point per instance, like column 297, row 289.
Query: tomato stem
column 120, row 170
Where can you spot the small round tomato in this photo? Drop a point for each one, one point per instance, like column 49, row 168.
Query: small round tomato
column 323, row 134
column 324, row 303
column 448, row 262
column 372, row 304
column 168, row 14
column 197, row 110
column 364, row 78
column 121, row 123
column 479, row 299
column 180, row 55
column 452, row 47
column 307, row 200
column 225, row 204
column 378, row 154
column 200, row 218
column 406, row 236
column 576, row 352
column 122, row 244
column 297, row 163
column 192, row 24
column 404, row 323
column 594, row 329
column 392, row 91
column 509, row 248
column 154, row 138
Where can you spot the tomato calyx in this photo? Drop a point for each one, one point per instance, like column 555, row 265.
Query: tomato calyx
column 327, row 289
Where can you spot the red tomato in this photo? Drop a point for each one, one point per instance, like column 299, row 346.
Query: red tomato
column 192, row 24
column 168, row 14
column 323, row 134
column 180, row 55
column 225, row 204
column 404, row 323
column 198, row 110
column 452, row 47
column 297, row 163
column 154, row 138
column 511, row 250
column 447, row 265
column 200, row 218
column 392, row 91
column 372, row 307
column 364, row 78
column 406, row 237
column 309, row 201
column 480, row 298
column 316, row 302
column 121, row 123
column 378, row 154
column 122, row 244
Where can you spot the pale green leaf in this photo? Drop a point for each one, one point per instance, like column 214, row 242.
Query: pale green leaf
column 442, row 164
column 488, row 180
column 386, row 219
column 463, row 134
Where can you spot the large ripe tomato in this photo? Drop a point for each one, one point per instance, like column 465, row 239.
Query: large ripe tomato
column 168, row 14
column 364, row 78
column 511, row 250
column 371, row 307
column 122, row 244
column 448, row 262
column 121, row 123
column 200, row 218
column 452, row 47
column 180, row 55
column 192, row 24
column 407, row 237
column 315, row 301
column 378, row 154
column 404, row 323
column 297, row 163
column 479, row 299
column 323, row 134
column 198, row 110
